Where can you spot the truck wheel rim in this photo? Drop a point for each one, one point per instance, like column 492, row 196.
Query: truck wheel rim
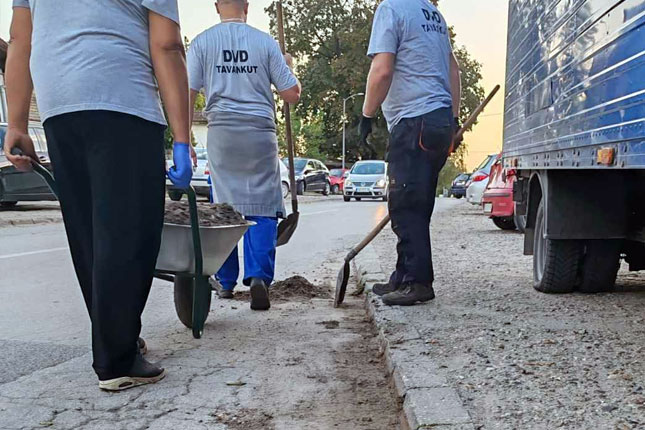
column 540, row 254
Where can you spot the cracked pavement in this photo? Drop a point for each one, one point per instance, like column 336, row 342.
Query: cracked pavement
column 289, row 368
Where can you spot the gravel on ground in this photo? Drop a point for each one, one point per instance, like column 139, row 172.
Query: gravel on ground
column 518, row 358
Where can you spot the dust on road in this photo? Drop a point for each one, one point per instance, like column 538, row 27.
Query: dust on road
column 303, row 364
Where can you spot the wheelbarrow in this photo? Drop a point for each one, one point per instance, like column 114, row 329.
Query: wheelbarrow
column 189, row 255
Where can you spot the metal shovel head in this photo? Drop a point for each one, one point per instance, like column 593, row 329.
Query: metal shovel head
column 287, row 227
column 341, row 285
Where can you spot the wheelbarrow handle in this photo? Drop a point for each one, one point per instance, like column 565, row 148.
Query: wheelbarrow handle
column 41, row 170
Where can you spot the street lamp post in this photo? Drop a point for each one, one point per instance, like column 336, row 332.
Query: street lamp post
column 345, row 121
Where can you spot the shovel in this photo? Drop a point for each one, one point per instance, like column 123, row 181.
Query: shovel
column 343, row 275
column 288, row 226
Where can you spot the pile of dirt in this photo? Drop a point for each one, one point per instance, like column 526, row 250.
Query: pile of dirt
column 209, row 215
column 295, row 288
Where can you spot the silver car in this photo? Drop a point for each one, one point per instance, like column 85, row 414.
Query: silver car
column 367, row 179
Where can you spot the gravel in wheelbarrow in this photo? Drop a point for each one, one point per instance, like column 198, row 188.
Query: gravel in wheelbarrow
column 210, row 215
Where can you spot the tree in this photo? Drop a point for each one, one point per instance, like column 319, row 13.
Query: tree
column 330, row 38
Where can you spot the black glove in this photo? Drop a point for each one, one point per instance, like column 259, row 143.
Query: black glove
column 364, row 129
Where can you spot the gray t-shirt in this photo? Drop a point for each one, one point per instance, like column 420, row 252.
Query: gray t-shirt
column 416, row 32
column 89, row 55
column 236, row 64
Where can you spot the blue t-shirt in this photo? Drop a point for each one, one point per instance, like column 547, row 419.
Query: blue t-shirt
column 417, row 34
column 236, row 64
column 95, row 56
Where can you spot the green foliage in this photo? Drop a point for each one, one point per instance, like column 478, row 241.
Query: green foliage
column 330, row 38
column 447, row 175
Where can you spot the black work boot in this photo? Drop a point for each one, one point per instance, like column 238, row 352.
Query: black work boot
column 259, row 295
column 409, row 294
column 383, row 289
column 219, row 289
column 142, row 372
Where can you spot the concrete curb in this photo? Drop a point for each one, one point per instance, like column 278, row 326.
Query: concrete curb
column 428, row 399
column 30, row 221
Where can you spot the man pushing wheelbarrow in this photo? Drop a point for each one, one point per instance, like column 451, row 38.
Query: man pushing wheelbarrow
column 104, row 124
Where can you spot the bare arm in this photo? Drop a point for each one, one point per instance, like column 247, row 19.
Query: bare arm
column 379, row 81
column 455, row 85
column 169, row 62
column 291, row 95
column 19, row 89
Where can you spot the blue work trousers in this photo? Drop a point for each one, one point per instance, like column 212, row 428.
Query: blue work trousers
column 259, row 254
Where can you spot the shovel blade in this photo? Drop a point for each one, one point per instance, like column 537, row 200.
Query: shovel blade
column 341, row 285
column 287, row 227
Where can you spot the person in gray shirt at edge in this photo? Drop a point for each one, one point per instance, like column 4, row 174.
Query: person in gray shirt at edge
column 95, row 69
column 236, row 65
column 415, row 77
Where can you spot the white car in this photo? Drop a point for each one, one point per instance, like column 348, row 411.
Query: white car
column 284, row 178
column 479, row 181
column 367, row 179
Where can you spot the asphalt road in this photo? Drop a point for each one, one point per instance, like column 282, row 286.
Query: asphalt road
column 45, row 374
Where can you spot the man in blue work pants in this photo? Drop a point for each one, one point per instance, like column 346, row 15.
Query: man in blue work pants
column 236, row 65
column 259, row 256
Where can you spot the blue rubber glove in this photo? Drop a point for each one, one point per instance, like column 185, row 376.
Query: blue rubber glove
column 182, row 172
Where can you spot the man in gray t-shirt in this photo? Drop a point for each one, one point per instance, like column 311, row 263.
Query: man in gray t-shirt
column 236, row 65
column 415, row 77
column 96, row 67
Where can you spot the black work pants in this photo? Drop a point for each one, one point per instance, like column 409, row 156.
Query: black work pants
column 109, row 168
column 417, row 152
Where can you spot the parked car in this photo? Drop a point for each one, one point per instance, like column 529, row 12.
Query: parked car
column 458, row 187
column 284, row 179
column 200, row 173
column 311, row 175
column 478, row 181
column 498, row 201
column 16, row 186
column 367, row 179
column 337, row 179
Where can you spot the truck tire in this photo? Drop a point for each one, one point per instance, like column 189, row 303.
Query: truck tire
column 505, row 223
column 600, row 266
column 555, row 262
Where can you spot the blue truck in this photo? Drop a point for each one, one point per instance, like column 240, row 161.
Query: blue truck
column 574, row 135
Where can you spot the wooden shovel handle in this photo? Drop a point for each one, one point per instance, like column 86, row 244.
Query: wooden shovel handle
column 287, row 118
column 370, row 237
column 381, row 225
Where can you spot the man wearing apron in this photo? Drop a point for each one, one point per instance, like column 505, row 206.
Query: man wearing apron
column 415, row 76
column 236, row 65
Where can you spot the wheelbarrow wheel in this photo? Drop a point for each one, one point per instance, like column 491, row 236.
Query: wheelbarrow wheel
column 184, row 299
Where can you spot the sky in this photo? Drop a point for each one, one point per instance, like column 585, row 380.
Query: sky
column 482, row 30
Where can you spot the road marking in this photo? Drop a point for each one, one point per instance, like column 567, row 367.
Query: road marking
column 25, row 254
column 319, row 212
